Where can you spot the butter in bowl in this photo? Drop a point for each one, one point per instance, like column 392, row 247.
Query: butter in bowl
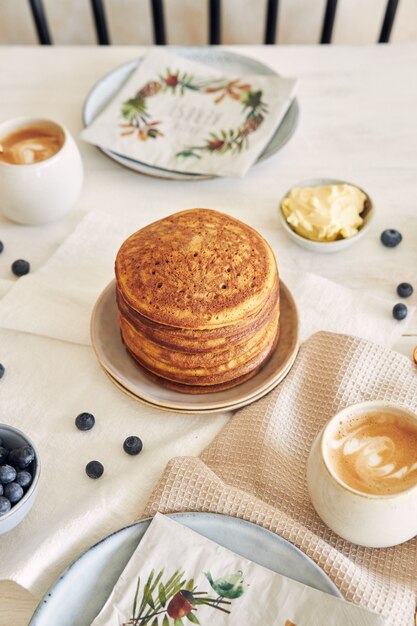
column 325, row 214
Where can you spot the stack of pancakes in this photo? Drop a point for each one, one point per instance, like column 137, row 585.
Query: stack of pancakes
column 198, row 300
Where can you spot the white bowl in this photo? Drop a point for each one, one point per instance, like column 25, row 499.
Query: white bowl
column 13, row 437
column 327, row 246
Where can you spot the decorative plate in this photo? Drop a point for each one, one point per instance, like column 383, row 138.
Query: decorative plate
column 81, row 591
column 112, row 356
column 105, row 89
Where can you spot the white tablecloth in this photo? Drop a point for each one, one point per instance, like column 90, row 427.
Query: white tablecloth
column 357, row 122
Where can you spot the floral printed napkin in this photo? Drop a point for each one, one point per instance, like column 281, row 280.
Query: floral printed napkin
column 176, row 577
column 177, row 114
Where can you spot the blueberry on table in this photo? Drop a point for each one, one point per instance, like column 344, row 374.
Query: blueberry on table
column 5, row 505
column 4, row 453
column 2, row 370
column 7, row 474
column 23, row 478
column 21, row 457
column 20, row 267
column 13, row 492
column 132, row 445
column 94, row 469
column 405, row 290
column 85, row 421
column 399, row 312
column 1, row 247
column 391, row 237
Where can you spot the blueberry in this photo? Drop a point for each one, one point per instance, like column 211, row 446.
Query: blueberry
column 132, row 445
column 7, row 474
column 400, row 311
column 4, row 453
column 20, row 267
column 85, row 421
column 94, row 469
column 13, row 492
column 23, row 478
column 1, row 247
column 21, row 457
column 5, row 505
column 1, row 489
column 405, row 290
column 391, row 238
column 2, row 370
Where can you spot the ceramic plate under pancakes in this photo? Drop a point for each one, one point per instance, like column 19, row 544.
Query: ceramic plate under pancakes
column 112, row 356
column 232, row 407
column 107, row 87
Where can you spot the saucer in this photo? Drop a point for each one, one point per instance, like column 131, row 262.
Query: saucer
column 112, row 356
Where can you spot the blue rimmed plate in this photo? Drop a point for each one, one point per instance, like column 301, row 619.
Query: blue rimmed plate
column 82, row 590
column 223, row 60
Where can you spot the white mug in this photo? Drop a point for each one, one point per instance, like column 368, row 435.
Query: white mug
column 374, row 521
column 43, row 191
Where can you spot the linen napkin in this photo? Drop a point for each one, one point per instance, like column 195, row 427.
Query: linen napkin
column 256, row 468
column 175, row 574
column 47, row 383
column 57, row 300
column 178, row 114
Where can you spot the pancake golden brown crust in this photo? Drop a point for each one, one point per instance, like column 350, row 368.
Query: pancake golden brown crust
column 194, row 340
column 196, row 269
column 198, row 301
column 207, row 373
column 194, row 389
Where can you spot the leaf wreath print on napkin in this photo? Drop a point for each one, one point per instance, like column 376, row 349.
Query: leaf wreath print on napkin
column 181, row 115
column 165, row 601
column 139, row 122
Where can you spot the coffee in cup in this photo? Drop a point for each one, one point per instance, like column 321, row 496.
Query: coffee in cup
column 31, row 144
column 362, row 474
column 41, row 171
column 375, row 453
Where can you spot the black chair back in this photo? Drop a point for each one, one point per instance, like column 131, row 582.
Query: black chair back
column 214, row 22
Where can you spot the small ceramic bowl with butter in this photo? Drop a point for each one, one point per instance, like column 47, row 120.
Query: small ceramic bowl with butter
column 326, row 214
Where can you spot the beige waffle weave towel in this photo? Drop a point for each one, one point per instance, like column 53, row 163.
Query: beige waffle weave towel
column 256, row 467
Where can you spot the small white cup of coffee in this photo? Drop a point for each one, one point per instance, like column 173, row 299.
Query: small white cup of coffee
column 41, row 172
column 362, row 474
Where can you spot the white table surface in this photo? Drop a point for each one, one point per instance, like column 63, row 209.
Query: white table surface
column 358, row 122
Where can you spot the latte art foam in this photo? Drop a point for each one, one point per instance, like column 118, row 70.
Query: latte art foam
column 375, row 453
column 30, row 145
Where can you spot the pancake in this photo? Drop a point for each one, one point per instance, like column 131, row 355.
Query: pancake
column 198, row 300
column 196, row 269
column 195, row 389
column 195, row 340
column 204, row 369
column 207, row 373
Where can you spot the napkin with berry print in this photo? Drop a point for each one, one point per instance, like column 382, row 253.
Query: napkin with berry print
column 177, row 576
column 182, row 115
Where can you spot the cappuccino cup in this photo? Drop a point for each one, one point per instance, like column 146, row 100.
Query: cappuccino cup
column 41, row 171
column 362, row 474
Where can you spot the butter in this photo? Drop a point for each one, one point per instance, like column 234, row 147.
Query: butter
column 324, row 213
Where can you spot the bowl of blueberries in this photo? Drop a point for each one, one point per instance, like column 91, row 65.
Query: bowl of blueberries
column 19, row 476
